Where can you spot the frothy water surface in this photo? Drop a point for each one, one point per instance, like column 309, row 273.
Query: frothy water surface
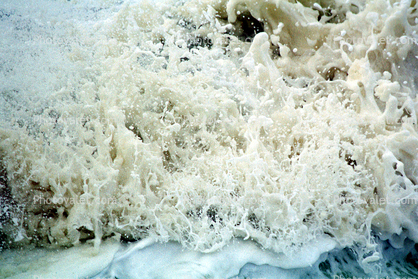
column 200, row 124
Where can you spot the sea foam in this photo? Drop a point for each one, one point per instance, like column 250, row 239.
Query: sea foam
column 201, row 122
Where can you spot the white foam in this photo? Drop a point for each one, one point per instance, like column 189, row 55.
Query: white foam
column 147, row 259
column 149, row 108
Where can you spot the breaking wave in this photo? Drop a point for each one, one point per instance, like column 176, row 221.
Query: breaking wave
column 205, row 121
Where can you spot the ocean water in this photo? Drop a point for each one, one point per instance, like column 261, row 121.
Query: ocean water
column 208, row 139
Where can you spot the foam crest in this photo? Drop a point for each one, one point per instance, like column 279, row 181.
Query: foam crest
column 200, row 123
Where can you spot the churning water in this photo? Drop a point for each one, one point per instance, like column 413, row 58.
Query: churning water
column 236, row 138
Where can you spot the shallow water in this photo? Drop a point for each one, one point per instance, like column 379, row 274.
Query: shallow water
column 239, row 259
column 244, row 259
column 203, row 123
